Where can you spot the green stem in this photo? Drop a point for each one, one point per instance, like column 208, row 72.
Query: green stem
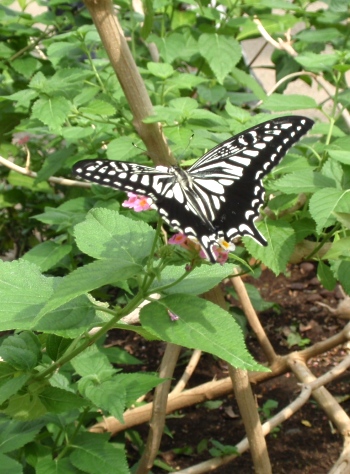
column 69, row 355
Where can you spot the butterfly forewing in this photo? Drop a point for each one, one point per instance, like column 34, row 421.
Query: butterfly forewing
column 220, row 195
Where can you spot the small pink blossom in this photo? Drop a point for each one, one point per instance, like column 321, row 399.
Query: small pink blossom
column 177, row 239
column 20, row 138
column 221, row 250
column 138, row 203
column 173, row 316
column 220, row 254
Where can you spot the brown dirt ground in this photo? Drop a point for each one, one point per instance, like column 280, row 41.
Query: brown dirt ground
column 307, row 443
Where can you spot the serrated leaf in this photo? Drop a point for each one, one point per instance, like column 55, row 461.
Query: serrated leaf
column 92, row 362
column 69, row 320
column 10, row 466
column 343, row 273
column 12, row 386
column 324, row 203
column 122, row 148
column 57, row 400
column 99, row 107
column 15, row 434
column 283, row 103
column 221, row 52
column 339, row 249
column 200, row 325
column 22, row 351
column 47, row 254
column 281, row 240
column 87, row 278
column 200, row 280
column 52, row 111
column 316, row 62
column 47, row 465
column 105, row 234
column 161, row 70
column 23, row 292
column 340, row 155
column 108, row 396
column 326, row 277
column 306, row 181
column 93, row 454
column 25, row 407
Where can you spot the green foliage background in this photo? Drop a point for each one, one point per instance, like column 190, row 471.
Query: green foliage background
column 83, row 261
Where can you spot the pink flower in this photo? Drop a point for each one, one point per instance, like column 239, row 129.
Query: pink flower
column 138, row 203
column 220, row 254
column 177, row 239
column 221, row 250
column 173, row 316
column 20, row 138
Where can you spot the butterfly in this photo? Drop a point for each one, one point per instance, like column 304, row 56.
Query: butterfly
column 219, row 197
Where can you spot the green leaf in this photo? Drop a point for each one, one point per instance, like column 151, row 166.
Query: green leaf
column 326, row 277
column 52, row 111
column 122, row 148
column 15, row 434
column 22, row 351
column 47, row 465
column 161, row 70
column 306, row 181
column 221, row 52
column 106, row 234
column 281, row 240
column 108, row 395
column 92, row 363
column 201, row 325
column 26, row 66
column 47, row 254
column 13, row 385
column 283, row 103
column 200, row 280
column 18, row 179
column 340, row 155
column 87, row 278
column 56, row 346
column 69, row 320
column 93, row 454
column 248, row 81
column 325, row 202
column 316, row 62
column 57, row 400
column 98, row 107
column 343, row 273
column 9, row 465
column 23, row 292
column 339, row 249
column 323, row 35
column 25, row 407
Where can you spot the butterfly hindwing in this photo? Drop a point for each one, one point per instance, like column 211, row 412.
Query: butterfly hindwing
column 220, row 195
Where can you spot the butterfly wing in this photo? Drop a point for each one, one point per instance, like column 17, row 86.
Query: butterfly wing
column 125, row 176
column 229, row 177
column 220, row 195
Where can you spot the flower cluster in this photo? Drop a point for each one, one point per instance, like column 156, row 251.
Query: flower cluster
column 138, row 203
column 221, row 251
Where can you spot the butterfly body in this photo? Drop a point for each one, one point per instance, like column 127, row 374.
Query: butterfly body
column 220, row 195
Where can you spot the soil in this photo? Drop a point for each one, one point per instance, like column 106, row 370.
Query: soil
column 307, row 443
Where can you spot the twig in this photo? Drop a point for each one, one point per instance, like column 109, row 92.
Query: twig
column 33, row 174
column 253, row 319
column 251, row 420
column 130, row 80
column 159, row 409
column 190, row 368
column 217, row 388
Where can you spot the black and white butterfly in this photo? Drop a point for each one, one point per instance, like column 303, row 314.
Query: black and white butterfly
column 219, row 197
